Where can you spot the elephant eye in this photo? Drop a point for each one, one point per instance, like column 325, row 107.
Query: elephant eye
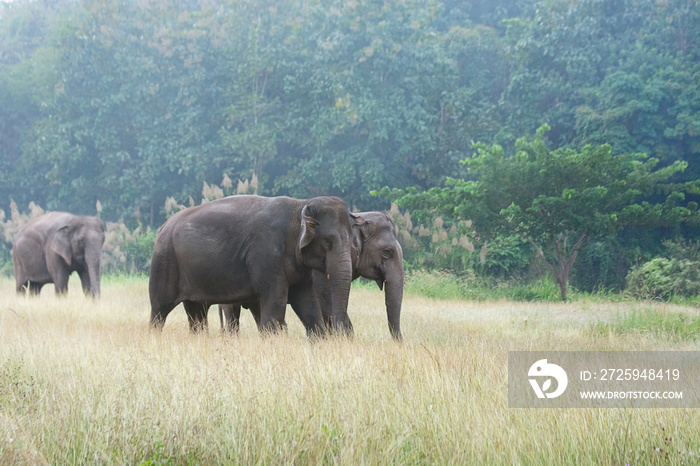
column 387, row 253
column 328, row 242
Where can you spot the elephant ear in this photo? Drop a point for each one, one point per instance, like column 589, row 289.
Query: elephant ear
column 96, row 223
column 357, row 220
column 308, row 227
column 362, row 225
column 358, row 224
column 61, row 244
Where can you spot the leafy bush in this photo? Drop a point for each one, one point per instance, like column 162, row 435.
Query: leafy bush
column 441, row 245
column 6, row 267
column 506, row 257
column 544, row 289
column 450, row 245
column 683, row 249
column 664, row 278
column 127, row 251
column 601, row 265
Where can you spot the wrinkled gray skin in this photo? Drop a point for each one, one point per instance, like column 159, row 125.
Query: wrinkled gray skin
column 253, row 249
column 49, row 248
column 376, row 254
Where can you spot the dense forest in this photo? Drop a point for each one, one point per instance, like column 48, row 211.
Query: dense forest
column 128, row 103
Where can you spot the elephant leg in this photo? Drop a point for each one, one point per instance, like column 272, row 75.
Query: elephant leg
column 273, row 305
column 197, row 315
column 22, row 286
column 60, row 281
column 158, row 314
column 255, row 310
column 85, row 281
column 235, row 317
column 34, row 288
column 229, row 316
column 221, row 317
column 340, row 326
column 322, row 290
column 305, row 304
column 21, row 283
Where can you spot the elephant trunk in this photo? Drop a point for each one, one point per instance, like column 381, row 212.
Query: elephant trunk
column 340, row 276
column 393, row 296
column 93, row 265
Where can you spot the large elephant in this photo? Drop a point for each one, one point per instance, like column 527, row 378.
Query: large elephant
column 376, row 254
column 49, row 248
column 251, row 248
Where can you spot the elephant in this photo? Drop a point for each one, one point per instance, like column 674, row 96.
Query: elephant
column 254, row 249
column 376, row 254
column 48, row 248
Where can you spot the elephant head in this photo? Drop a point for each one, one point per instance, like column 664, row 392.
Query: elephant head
column 325, row 245
column 78, row 242
column 377, row 255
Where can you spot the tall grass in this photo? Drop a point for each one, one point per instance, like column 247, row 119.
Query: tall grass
column 445, row 285
column 86, row 382
column 675, row 326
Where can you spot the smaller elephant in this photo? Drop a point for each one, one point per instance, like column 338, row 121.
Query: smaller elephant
column 376, row 254
column 47, row 249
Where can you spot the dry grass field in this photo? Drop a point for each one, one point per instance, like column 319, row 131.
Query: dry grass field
column 86, row 382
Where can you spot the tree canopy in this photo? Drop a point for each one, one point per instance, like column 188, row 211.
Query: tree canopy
column 557, row 199
column 131, row 102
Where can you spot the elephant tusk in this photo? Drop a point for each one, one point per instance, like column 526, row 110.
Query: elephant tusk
column 329, row 276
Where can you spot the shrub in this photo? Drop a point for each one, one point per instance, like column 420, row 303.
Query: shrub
column 664, row 278
column 127, row 251
column 683, row 249
column 602, row 264
column 441, row 245
column 450, row 244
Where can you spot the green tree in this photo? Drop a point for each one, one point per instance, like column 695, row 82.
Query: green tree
column 132, row 102
column 137, row 96
column 27, row 59
column 556, row 200
column 363, row 94
column 559, row 55
column 256, row 50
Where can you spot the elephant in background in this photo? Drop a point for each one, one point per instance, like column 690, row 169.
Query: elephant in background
column 47, row 249
column 243, row 249
column 376, row 254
